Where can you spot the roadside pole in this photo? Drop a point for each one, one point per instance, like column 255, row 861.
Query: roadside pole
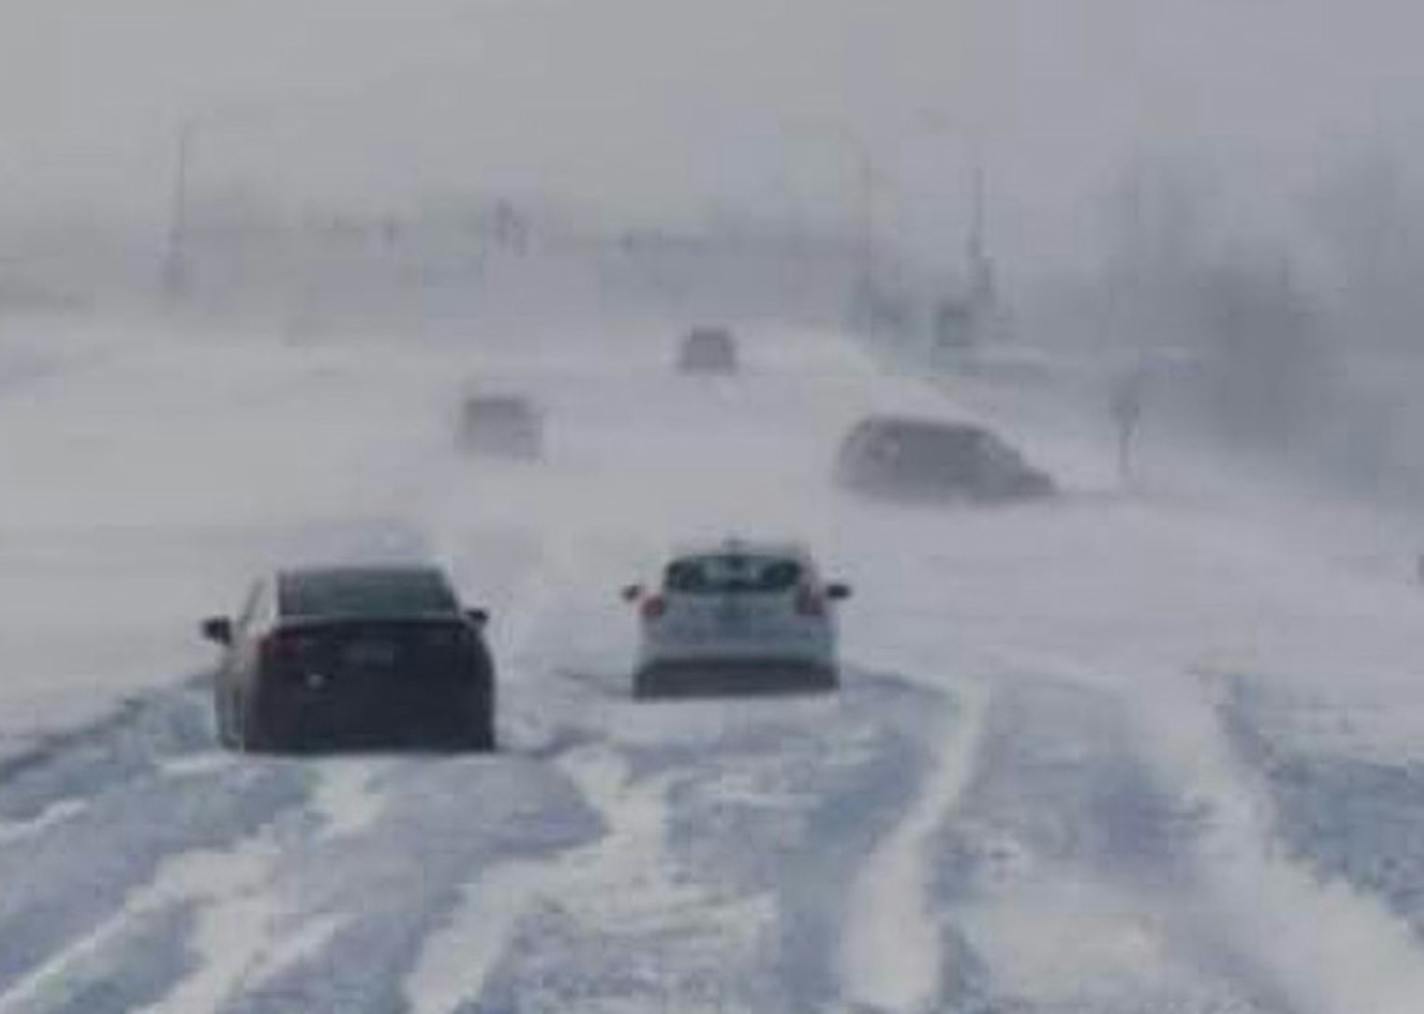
column 175, row 269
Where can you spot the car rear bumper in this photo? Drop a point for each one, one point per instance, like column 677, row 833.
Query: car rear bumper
column 439, row 719
column 899, row 490
column 712, row 677
column 513, row 449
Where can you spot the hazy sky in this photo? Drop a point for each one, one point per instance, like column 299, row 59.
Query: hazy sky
column 661, row 103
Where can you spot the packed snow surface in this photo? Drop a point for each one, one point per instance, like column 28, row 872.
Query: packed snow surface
column 1129, row 751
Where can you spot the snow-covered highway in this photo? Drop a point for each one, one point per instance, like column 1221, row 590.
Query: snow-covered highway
column 1122, row 753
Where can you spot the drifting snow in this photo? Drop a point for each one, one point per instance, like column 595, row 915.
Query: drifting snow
column 1029, row 796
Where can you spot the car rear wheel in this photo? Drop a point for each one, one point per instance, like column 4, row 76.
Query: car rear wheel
column 646, row 684
column 483, row 740
column 255, row 734
column 222, row 713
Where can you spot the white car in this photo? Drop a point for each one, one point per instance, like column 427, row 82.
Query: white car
column 737, row 617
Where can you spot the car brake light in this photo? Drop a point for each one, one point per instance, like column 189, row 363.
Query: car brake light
column 810, row 602
column 281, row 647
column 653, row 607
column 273, row 648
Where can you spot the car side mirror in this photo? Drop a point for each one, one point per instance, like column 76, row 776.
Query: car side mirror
column 632, row 592
column 218, row 629
column 479, row 617
column 837, row 591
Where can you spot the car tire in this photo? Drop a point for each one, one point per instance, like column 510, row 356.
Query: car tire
column 254, row 734
column 222, row 713
column 644, row 685
column 483, row 740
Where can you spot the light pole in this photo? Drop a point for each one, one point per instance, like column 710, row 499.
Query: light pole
column 867, row 233
column 177, row 266
column 175, row 270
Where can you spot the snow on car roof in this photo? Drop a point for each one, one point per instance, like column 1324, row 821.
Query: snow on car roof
column 365, row 591
column 921, row 422
column 750, row 547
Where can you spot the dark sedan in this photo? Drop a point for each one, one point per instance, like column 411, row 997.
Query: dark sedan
column 906, row 458
column 353, row 656
column 501, row 426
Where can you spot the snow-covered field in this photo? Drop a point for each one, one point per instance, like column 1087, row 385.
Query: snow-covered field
column 1133, row 751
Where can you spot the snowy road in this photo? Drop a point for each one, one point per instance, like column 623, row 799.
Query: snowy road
column 1113, row 755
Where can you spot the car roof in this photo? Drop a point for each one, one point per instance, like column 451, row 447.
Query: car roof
column 922, row 424
column 788, row 548
column 366, row 591
column 516, row 402
column 710, row 336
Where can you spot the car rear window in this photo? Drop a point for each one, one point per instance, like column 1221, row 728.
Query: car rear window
column 925, row 446
column 365, row 593
column 376, row 646
column 730, row 573
column 498, row 408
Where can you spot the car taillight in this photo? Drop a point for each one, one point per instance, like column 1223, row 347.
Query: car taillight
column 810, row 602
column 653, row 607
column 283, row 648
column 274, row 649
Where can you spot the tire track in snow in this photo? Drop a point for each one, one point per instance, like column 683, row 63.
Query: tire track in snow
column 221, row 892
column 892, row 954
column 735, row 829
column 457, row 958
column 169, row 879
column 1184, row 870
column 625, row 863
column 1329, row 949
column 1066, row 874
column 98, row 902
column 87, row 867
column 348, row 796
column 1346, row 786
column 238, row 938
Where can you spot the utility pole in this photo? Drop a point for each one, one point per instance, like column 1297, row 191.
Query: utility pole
column 981, row 269
column 976, row 212
column 175, row 271
column 867, row 239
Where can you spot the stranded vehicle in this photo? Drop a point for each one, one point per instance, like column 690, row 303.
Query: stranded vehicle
column 737, row 617
column 906, row 458
column 353, row 656
column 708, row 350
column 501, row 426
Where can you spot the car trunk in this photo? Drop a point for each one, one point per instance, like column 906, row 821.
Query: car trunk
column 356, row 677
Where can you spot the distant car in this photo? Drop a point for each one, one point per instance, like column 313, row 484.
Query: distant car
column 926, row 459
column 503, row 426
column 353, row 656
column 737, row 617
column 708, row 350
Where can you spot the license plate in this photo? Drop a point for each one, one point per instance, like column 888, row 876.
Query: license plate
column 731, row 616
column 370, row 654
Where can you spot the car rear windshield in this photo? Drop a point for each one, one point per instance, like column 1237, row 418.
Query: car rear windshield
column 366, row 593
column 407, row 647
column 498, row 408
column 928, row 446
column 722, row 574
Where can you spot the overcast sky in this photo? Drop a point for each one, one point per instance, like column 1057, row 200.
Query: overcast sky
column 662, row 104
